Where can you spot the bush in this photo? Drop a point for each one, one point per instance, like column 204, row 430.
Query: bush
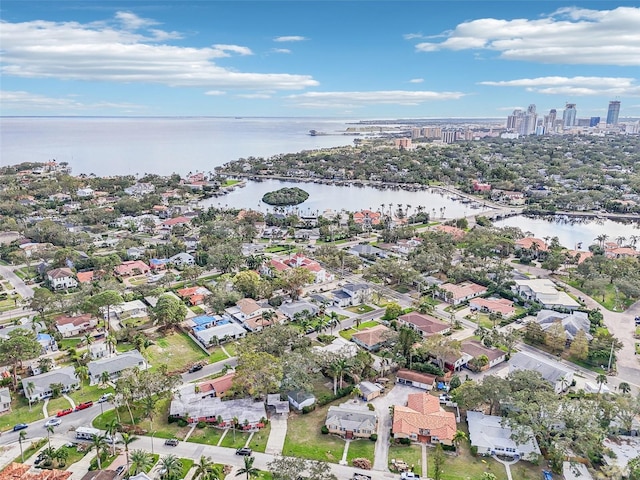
column 308, row 408
column 371, row 407
column 474, row 450
column 201, row 424
column 405, row 441
column 373, row 437
column 182, row 422
column 324, row 430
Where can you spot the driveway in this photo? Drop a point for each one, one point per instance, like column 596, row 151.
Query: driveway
column 396, row 396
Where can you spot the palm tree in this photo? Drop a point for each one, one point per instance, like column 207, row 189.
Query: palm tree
column 22, row 437
column 127, row 438
column 104, row 378
column 89, row 339
column 31, row 387
column 61, row 456
column 601, row 379
column 249, row 470
column 171, row 466
column 82, row 372
column 141, row 461
column 601, row 239
column 206, row 469
column 112, row 341
column 624, row 387
column 458, row 438
column 49, row 432
column 112, row 428
column 98, row 442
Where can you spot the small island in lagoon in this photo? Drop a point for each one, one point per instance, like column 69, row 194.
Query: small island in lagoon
column 285, row 197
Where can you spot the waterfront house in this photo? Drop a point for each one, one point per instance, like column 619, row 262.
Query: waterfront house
column 491, row 436
column 423, row 420
column 425, row 325
column 115, row 365
column 351, row 420
column 38, row 387
column 531, row 244
column 61, row 278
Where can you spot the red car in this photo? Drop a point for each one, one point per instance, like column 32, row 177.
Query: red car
column 82, row 406
column 62, row 413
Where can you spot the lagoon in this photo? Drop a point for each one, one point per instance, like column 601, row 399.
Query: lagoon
column 350, row 198
column 572, row 231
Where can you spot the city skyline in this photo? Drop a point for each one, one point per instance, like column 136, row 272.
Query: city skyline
column 352, row 59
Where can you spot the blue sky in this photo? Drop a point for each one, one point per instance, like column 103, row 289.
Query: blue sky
column 352, row 59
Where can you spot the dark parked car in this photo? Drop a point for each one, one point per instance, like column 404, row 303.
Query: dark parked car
column 172, row 442
column 196, row 368
column 20, row 426
column 120, row 469
column 244, row 451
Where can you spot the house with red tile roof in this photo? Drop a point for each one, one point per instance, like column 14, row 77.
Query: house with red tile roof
column 195, row 295
column 579, row 256
column 423, row 420
column 61, row 278
column 172, row 222
column 455, row 232
column 131, row 268
column 493, row 305
column 217, row 386
column 299, row 260
column 74, row 326
column 528, row 243
column 621, row 252
column 461, row 292
column 367, row 217
column 424, row 381
column 373, row 338
column 425, row 325
column 472, row 349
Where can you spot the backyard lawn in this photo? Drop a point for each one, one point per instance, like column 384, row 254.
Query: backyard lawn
column 176, row 350
column 305, row 440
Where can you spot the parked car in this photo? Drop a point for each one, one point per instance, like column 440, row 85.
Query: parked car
column 52, row 422
column 172, row 442
column 20, row 426
column 120, row 470
column 244, row 451
column 637, row 320
column 197, row 367
column 66, row 411
column 444, row 398
column 83, row 405
column 409, row 475
column 105, row 398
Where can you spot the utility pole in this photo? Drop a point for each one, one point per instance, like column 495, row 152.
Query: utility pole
column 610, row 357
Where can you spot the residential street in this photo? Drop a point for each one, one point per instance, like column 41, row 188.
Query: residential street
column 16, row 282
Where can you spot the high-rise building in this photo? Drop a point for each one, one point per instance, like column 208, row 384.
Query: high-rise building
column 550, row 121
column 569, row 115
column 514, row 120
column 529, row 122
column 613, row 112
column 594, row 121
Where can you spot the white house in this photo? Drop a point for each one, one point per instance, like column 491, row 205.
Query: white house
column 488, row 434
column 133, row 309
column 290, row 309
column 182, row 260
column 39, row 386
column 74, row 326
column 299, row 399
column 5, row 400
column 61, row 278
column 85, row 192
column 553, row 372
column 114, row 366
column 545, row 292
column 571, row 322
column 220, row 333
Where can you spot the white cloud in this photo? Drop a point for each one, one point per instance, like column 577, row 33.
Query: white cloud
column 215, row 93
column 567, row 36
column 361, row 99
column 254, row 95
column 131, row 21
column 416, row 80
column 412, row 36
column 578, row 86
column 21, row 100
column 290, row 38
column 97, row 51
column 280, row 50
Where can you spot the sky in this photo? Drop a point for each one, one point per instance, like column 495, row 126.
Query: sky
column 318, row 58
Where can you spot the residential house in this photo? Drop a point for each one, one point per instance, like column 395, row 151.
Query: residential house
column 351, row 420
column 182, row 260
column 100, row 474
column 39, row 386
column 423, row 420
column 85, row 192
column 462, row 292
column 498, row 306
column 369, row 391
column 578, row 256
column 276, row 405
column 532, row 244
column 319, row 273
column 544, row 291
column 134, row 253
column 158, row 264
column 245, row 309
column 471, row 351
column 424, row 381
column 194, row 406
column 291, row 309
column 99, row 350
column 425, row 325
column 571, row 322
column 357, row 292
column 372, row 339
column 367, row 218
column 217, row 386
column 202, row 322
column 131, row 268
column 220, row 333
column 559, row 376
column 115, row 365
column 74, row 326
column 367, row 251
column 491, row 436
column 299, row 399
column 172, row 222
column 140, row 189
column 621, row 252
column 89, row 276
column 5, row 400
column 132, row 309
column 20, row 471
column 61, row 278
column 191, row 243
column 457, row 233
column 195, row 295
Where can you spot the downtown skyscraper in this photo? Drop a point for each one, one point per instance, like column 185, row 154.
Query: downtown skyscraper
column 613, row 112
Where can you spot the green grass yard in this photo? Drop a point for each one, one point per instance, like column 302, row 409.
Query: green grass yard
column 176, row 350
column 409, row 454
column 359, row 309
column 362, row 448
column 206, row 435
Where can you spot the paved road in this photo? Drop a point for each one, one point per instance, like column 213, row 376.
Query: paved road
column 16, row 282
